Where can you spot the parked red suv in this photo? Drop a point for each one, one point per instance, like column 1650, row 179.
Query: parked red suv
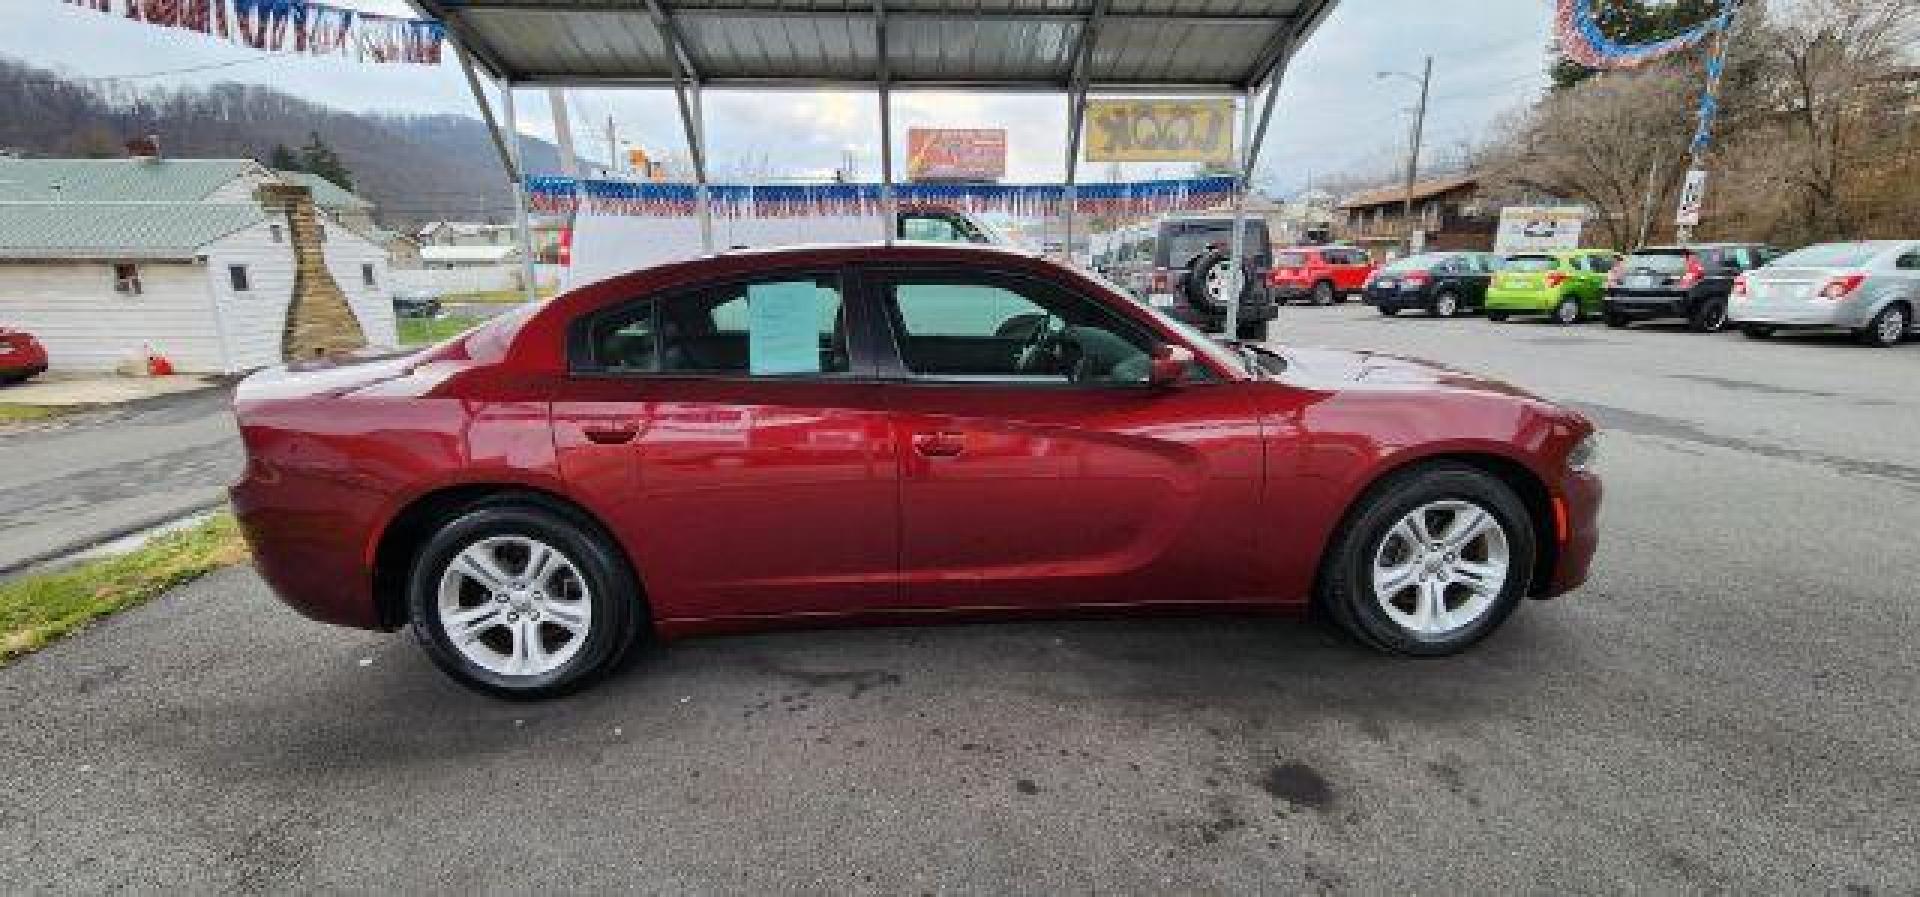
column 21, row 356
column 1323, row 274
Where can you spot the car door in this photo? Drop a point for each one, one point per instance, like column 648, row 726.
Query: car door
column 734, row 436
column 1037, row 468
column 1351, row 270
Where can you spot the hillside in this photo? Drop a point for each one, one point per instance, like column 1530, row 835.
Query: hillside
column 416, row 168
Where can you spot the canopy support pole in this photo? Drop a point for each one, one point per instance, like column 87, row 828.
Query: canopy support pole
column 693, row 119
column 486, row 112
column 889, row 204
column 525, row 227
column 1251, row 136
column 1076, row 114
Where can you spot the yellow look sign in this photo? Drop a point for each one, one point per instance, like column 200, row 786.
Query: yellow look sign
column 1160, row 131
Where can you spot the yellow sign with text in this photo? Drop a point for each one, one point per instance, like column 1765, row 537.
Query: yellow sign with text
column 1160, row 131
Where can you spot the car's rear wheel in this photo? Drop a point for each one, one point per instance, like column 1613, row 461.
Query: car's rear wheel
column 1496, row 316
column 1887, row 328
column 1389, row 310
column 1757, row 331
column 520, row 601
column 1253, row 331
column 1323, row 293
column 1445, row 305
column 1567, row 312
column 1431, row 561
column 1709, row 317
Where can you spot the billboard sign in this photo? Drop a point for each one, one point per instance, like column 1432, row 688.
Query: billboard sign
column 1539, row 229
column 1691, row 194
column 956, row 154
column 1160, row 131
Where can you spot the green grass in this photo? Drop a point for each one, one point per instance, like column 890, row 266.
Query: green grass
column 38, row 608
column 11, row 413
column 505, row 296
column 424, row 331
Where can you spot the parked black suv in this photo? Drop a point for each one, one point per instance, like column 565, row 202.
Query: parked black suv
column 1690, row 282
column 1443, row 283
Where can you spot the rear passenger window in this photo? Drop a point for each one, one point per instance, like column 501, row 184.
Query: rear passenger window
column 1600, row 264
column 767, row 328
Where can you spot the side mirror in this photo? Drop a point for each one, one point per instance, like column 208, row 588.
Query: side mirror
column 1168, row 365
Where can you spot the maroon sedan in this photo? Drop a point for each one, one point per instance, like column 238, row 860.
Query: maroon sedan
column 891, row 434
column 21, row 356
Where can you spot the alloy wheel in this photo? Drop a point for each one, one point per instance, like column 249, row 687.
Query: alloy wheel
column 1567, row 312
column 1893, row 326
column 1220, row 282
column 514, row 605
column 1446, row 306
column 1442, row 567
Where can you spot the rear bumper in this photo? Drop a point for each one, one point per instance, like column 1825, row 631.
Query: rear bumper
column 1250, row 313
column 1520, row 300
column 1398, row 298
column 1652, row 305
column 1812, row 313
column 1577, row 529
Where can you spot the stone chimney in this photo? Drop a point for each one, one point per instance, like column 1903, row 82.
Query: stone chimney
column 146, row 149
column 320, row 322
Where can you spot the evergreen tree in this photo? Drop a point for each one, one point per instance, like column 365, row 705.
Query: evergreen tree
column 1634, row 22
column 316, row 157
column 283, row 159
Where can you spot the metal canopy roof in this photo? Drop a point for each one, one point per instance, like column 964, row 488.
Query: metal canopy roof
column 1196, row 46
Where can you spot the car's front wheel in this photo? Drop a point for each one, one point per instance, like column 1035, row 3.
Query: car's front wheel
column 520, row 601
column 1445, row 305
column 1323, row 294
column 1431, row 561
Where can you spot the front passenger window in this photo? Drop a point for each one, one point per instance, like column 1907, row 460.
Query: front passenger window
column 952, row 329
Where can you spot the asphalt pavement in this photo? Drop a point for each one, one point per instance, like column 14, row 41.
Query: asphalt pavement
column 76, row 479
column 1729, row 706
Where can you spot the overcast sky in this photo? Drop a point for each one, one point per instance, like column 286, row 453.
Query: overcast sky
column 1334, row 115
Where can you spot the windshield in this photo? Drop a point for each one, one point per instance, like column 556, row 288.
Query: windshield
column 1674, row 262
column 1290, row 260
column 1413, row 263
column 1828, row 255
column 1532, row 263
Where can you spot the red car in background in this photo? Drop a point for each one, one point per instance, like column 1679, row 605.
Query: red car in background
column 21, row 356
column 887, row 435
column 1322, row 274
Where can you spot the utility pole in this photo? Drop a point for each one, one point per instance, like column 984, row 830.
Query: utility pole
column 613, row 150
column 1413, row 156
column 1693, row 193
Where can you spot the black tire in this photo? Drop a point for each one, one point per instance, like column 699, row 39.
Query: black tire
column 1496, row 316
column 1445, row 304
column 1324, row 294
column 1618, row 319
column 1253, row 331
column 1567, row 313
column 1709, row 316
column 612, row 596
column 1758, row 331
column 1196, row 285
column 1887, row 328
column 1388, row 310
column 1345, row 591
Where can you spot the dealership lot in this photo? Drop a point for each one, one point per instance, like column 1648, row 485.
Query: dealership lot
column 1727, row 706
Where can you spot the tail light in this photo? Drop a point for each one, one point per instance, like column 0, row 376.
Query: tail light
column 1618, row 274
column 566, row 247
column 1555, row 278
column 1843, row 286
column 1740, row 287
column 1160, row 281
column 1693, row 275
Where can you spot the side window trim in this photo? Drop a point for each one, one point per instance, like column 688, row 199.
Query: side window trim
column 860, row 359
column 887, row 329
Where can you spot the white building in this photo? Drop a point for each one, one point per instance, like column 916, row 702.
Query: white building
column 105, row 259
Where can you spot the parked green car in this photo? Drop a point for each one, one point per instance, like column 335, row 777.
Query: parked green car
column 1564, row 286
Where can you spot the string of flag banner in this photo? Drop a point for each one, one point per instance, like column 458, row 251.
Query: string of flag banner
column 557, row 195
column 290, row 26
column 1582, row 41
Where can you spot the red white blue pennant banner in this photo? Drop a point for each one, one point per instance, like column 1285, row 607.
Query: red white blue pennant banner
column 291, row 26
column 1582, row 41
column 565, row 196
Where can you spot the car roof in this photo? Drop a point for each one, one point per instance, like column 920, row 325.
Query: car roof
column 1693, row 246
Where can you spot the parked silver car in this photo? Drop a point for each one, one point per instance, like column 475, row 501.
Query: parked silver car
column 1870, row 287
